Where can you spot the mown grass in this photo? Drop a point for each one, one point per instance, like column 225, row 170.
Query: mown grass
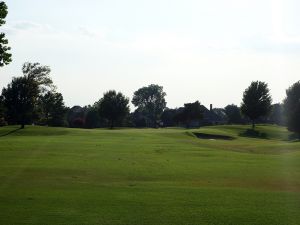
column 149, row 176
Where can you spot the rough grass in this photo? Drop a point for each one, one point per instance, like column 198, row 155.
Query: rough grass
column 149, row 176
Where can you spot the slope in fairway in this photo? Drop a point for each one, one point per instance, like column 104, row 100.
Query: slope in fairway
column 149, row 176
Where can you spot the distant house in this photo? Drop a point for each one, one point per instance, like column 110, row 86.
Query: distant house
column 211, row 116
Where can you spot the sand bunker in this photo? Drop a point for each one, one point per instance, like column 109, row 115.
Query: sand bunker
column 212, row 136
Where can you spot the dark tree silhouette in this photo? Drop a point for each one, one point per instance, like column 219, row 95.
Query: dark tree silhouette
column 19, row 98
column 292, row 107
column 256, row 101
column 53, row 108
column 2, row 112
column 92, row 118
column 138, row 118
column 76, row 117
column 168, row 117
column 5, row 56
column 40, row 75
column 233, row 114
column 190, row 112
column 151, row 102
column 21, row 95
column 114, row 107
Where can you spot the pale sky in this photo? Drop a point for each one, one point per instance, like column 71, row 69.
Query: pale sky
column 206, row 50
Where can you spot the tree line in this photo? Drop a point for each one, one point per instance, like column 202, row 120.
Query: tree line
column 33, row 99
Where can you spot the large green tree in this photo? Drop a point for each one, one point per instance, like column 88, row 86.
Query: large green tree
column 39, row 74
column 292, row 107
column 114, row 107
column 151, row 101
column 53, row 108
column 5, row 56
column 256, row 101
column 21, row 96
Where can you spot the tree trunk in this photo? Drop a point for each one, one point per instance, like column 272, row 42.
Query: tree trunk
column 22, row 122
column 111, row 124
column 47, row 119
column 253, row 124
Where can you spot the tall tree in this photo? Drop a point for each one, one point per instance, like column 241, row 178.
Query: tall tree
column 39, row 74
column 19, row 99
column 292, row 107
column 151, row 101
column 233, row 114
column 21, row 95
column 256, row 101
column 114, row 107
column 2, row 112
column 53, row 108
column 5, row 56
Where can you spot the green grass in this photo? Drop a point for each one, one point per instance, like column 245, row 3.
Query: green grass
column 149, row 176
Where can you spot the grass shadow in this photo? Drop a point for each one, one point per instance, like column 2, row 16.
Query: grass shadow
column 10, row 132
column 250, row 133
column 294, row 138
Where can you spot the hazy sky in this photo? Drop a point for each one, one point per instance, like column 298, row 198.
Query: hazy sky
column 196, row 49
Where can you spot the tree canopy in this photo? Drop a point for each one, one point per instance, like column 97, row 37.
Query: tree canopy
column 21, row 96
column 256, row 101
column 39, row 74
column 168, row 117
column 292, row 107
column 113, row 106
column 19, row 99
column 233, row 114
column 151, row 102
column 53, row 108
column 92, row 118
column 190, row 112
column 5, row 56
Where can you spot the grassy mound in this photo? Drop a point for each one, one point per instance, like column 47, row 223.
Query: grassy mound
column 149, row 176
